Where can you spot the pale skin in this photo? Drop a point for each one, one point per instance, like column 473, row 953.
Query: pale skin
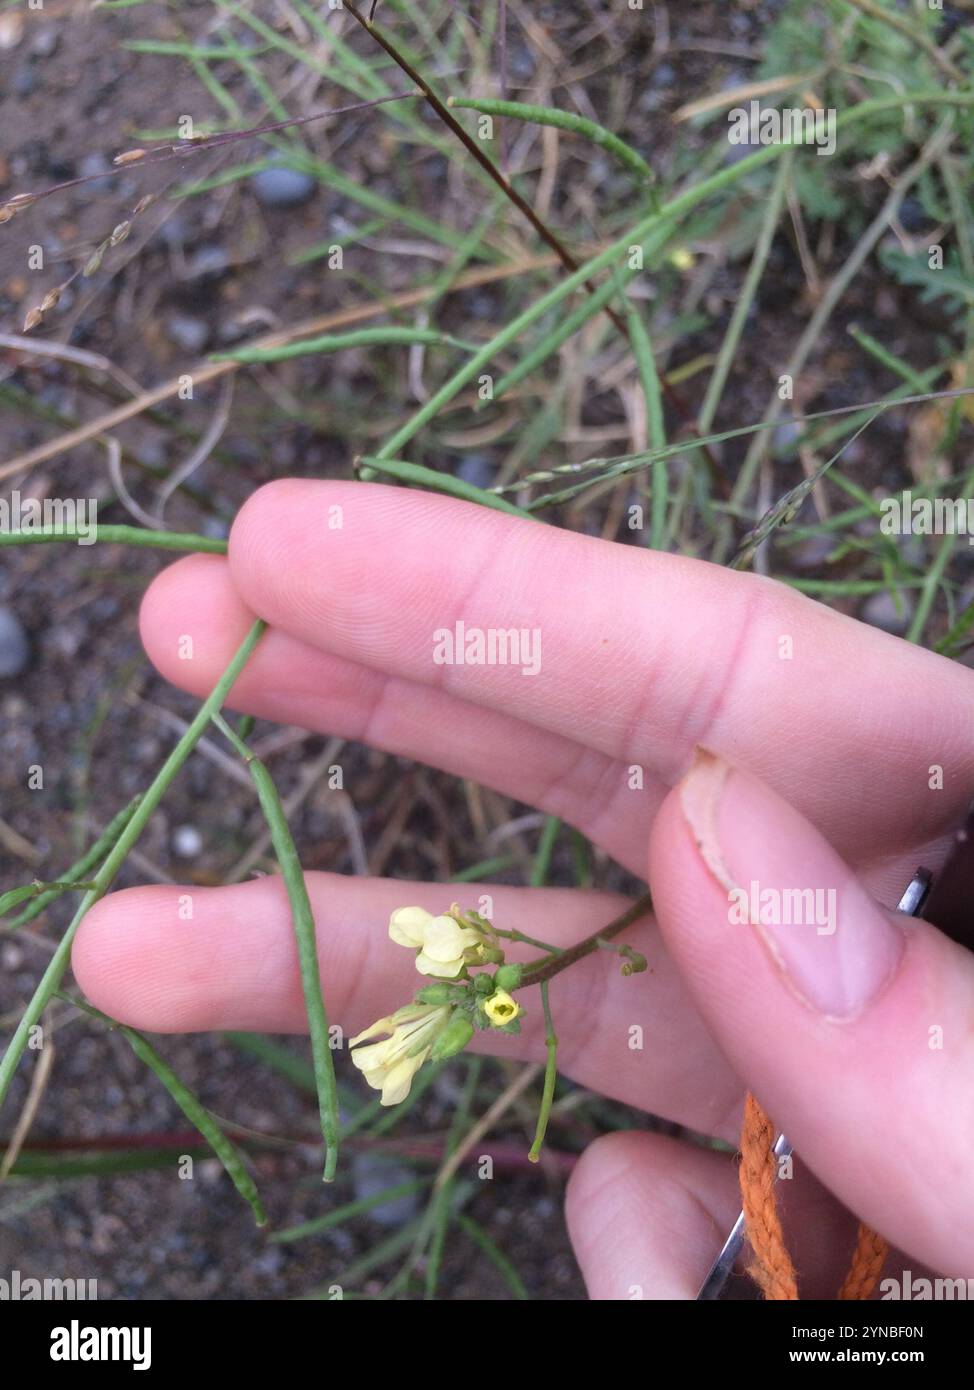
column 644, row 657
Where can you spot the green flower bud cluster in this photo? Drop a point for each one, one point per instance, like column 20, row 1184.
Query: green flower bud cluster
column 478, row 1001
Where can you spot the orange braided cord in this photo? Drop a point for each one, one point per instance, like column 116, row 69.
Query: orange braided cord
column 867, row 1264
column 771, row 1267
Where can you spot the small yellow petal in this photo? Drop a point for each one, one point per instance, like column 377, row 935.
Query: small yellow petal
column 501, row 1008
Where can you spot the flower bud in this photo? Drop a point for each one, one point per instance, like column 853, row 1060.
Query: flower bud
column 453, row 1039
column 508, row 976
column 436, row 994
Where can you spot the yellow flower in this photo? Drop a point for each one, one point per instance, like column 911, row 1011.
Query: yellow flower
column 441, row 941
column 389, row 1066
column 501, row 1008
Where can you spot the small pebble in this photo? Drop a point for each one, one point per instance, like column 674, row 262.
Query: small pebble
column 65, row 639
column 187, row 842
column 811, row 552
column 280, row 187
column 91, row 167
column 188, row 333
column 25, row 80
column 785, row 436
column 207, row 263
column 477, row 469
column 884, row 611
column 12, row 957
column 913, row 216
column 14, row 647
column 45, row 41
column 371, row 1174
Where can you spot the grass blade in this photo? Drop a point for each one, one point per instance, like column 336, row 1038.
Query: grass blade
column 304, row 931
column 319, row 1224
column 81, row 866
column 51, row 979
column 227, row 1152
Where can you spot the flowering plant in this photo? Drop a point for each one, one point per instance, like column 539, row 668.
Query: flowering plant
column 444, row 1015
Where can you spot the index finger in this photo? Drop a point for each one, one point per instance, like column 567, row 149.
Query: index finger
column 636, row 654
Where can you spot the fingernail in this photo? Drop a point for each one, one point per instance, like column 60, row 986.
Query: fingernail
column 833, row 944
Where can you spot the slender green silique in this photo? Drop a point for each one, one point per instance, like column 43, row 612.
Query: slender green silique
column 303, row 922
column 337, row 342
column 80, row 867
column 151, row 798
column 430, row 479
column 122, row 535
column 198, row 1116
column 16, row 896
column 563, row 120
column 302, row 919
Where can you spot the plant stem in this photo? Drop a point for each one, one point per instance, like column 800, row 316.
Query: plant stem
column 515, row 935
column 544, row 970
column 57, row 965
column 550, row 1076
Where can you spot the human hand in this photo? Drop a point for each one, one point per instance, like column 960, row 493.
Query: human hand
column 831, row 729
